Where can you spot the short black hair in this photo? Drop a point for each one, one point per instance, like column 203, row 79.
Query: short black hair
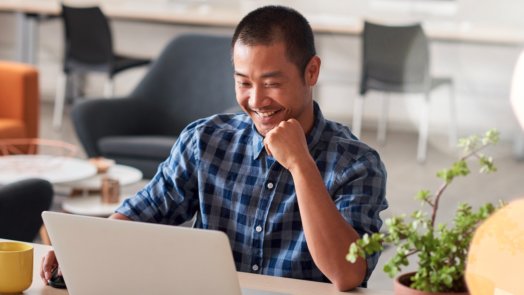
column 270, row 24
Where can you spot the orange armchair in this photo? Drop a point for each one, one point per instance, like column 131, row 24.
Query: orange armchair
column 19, row 101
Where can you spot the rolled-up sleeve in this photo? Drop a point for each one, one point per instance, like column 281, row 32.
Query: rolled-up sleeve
column 361, row 196
column 171, row 197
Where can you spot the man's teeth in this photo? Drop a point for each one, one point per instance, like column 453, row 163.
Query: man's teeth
column 266, row 114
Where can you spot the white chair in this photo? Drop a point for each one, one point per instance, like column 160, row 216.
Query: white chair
column 517, row 102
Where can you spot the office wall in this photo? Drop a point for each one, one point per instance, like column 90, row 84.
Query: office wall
column 482, row 72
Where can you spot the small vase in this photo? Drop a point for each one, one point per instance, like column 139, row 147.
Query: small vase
column 401, row 287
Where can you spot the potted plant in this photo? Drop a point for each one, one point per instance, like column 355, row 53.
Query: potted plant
column 441, row 248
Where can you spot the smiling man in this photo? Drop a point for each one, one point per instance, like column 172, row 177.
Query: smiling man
column 290, row 189
column 338, row 182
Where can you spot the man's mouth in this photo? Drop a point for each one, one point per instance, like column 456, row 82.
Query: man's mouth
column 266, row 114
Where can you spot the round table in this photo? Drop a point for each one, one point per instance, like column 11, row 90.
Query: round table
column 92, row 205
column 55, row 169
column 124, row 174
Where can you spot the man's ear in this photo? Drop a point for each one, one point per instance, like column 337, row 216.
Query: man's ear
column 312, row 71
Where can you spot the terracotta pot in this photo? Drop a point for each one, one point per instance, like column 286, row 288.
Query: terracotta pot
column 402, row 283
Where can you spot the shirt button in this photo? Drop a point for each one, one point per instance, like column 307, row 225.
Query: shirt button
column 258, row 228
column 254, row 267
column 270, row 185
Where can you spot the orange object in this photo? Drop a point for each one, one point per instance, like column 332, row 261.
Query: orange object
column 496, row 255
column 19, row 100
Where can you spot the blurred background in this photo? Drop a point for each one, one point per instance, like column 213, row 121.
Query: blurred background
column 475, row 42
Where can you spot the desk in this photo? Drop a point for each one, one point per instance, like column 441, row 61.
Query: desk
column 220, row 14
column 251, row 281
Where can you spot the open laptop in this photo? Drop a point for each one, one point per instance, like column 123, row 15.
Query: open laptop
column 107, row 256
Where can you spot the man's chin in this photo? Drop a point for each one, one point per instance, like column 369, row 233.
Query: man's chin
column 264, row 127
column 264, row 130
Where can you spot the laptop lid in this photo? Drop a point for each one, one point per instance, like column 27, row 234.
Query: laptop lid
column 107, row 256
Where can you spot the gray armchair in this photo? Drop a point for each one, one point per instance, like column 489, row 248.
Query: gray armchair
column 192, row 78
column 21, row 206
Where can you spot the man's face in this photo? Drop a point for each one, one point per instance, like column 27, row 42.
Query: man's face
column 270, row 88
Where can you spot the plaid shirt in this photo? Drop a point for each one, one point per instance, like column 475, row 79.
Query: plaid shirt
column 219, row 170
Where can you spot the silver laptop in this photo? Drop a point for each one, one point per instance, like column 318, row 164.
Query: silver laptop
column 106, row 256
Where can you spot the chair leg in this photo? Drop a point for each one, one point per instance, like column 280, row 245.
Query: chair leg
column 75, row 82
column 518, row 145
column 109, row 88
column 71, row 88
column 358, row 109
column 383, row 121
column 423, row 131
column 452, row 117
column 58, row 112
column 80, row 85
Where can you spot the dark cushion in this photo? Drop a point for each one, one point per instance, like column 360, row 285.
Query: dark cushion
column 148, row 167
column 21, row 206
column 140, row 147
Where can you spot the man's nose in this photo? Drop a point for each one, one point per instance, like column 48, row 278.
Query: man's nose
column 258, row 98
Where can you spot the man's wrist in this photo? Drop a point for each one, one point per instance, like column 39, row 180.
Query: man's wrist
column 302, row 164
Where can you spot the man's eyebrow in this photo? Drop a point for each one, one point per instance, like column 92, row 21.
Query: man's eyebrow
column 240, row 74
column 265, row 75
column 272, row 74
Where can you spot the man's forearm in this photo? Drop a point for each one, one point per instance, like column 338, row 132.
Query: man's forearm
column 328, row 235
column 119, row 216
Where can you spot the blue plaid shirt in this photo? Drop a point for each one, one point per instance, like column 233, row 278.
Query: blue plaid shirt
column 219, row 170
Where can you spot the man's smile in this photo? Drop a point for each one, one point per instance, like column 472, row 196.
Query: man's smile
column 266, row 114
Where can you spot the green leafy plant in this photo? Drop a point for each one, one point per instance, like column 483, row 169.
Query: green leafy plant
column 441, row 248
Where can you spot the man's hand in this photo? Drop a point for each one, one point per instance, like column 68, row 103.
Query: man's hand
column 287, row 144
column 49, row 263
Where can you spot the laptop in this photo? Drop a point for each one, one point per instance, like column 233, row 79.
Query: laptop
column 107, row 256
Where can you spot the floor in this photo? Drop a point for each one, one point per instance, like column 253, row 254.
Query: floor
column 405, row 176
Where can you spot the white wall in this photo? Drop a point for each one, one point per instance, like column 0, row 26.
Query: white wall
column 481, row 72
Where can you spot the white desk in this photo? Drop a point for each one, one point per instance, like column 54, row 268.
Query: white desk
column 219, row 14
column 251, row 281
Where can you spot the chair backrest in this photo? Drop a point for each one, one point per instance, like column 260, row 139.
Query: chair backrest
column 21, row 206
column 192, row 78
column 19, row 100
column 87, row 35
column 394, row 54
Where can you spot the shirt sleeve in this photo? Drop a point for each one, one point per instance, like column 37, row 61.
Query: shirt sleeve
column 171, row 197
column 361, row 196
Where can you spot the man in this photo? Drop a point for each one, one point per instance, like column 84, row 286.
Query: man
column 289, row 188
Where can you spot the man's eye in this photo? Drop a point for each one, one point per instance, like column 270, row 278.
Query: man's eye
column 243, row 84
column 271, row 85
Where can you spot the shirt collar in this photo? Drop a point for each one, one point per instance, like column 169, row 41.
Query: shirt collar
column 319, row 124
column 257, row 142
column 312, row 138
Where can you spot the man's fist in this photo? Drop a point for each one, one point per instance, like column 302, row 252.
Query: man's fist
column 287, row 143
